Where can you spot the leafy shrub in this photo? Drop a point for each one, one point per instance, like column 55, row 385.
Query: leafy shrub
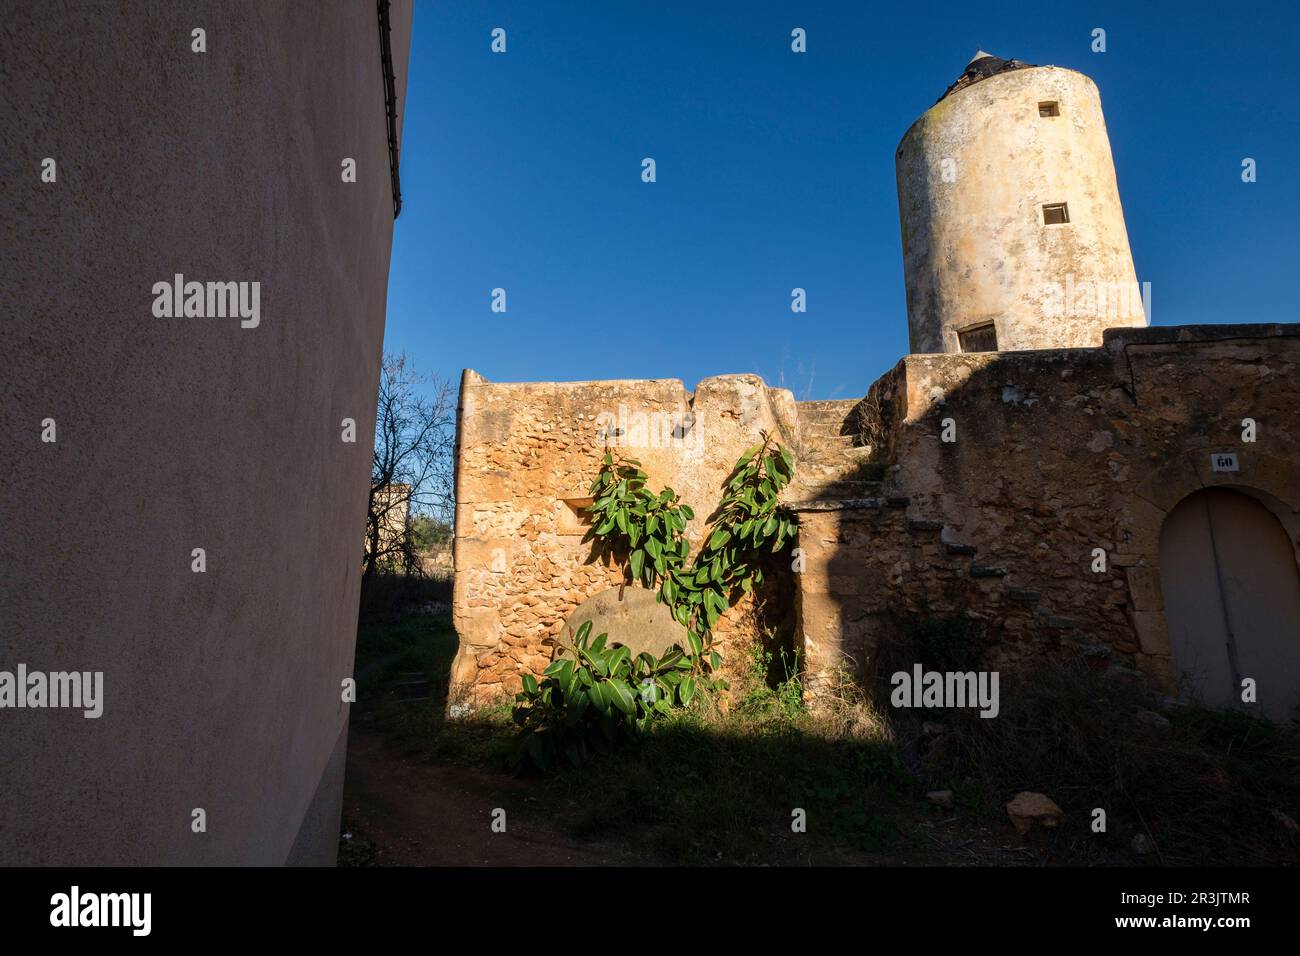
column 587, row 703
column 650, row 530
column 428, row 533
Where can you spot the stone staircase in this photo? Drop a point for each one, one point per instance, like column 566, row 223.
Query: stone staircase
column 830, row 455
column 830, row 477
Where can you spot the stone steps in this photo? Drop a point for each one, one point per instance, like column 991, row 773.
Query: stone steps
column 848, row 467
column 829, row 449
column 825, row 409
column 829, row 466
column 815, row 440
column 824, row 419
column 826, row 480
column 832, row 489
column 1019, row 595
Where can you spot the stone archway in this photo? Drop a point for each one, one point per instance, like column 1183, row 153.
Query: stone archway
column 1231, row 593
column 1140, row 517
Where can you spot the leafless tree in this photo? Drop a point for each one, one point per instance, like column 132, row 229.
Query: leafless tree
column 415, row 438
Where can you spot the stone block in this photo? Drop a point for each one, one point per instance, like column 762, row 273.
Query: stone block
column 477, row 627
column 1161, row 670
column 1144, row 588
column 1152, row 631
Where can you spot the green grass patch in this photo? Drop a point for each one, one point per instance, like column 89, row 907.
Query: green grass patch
column 390, row 653
column 718, row 782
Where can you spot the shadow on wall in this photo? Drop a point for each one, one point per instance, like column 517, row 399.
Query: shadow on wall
column 1028, row 494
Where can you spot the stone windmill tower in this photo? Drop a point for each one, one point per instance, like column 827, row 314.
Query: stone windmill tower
column 1013, row 234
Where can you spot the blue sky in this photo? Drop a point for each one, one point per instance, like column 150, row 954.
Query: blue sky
column 775, row 170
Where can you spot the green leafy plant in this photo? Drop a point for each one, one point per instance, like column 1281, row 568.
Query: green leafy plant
column 650, row 529
column 586, row 704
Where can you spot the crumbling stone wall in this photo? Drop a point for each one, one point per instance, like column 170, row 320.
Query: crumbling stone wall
column 1056, row 453
column 527, row 454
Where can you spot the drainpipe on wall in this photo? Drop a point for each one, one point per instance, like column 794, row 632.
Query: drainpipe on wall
column 390, row 101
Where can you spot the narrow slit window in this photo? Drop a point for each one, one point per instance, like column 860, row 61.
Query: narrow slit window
column 1055, row 213
column 981, row 338
column 1049, row 109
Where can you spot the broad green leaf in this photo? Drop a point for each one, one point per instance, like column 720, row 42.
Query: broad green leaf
column 686, row 690
column 620, row 696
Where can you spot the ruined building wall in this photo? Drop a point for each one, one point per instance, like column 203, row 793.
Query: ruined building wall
column 527, row 454
column 1056, row 453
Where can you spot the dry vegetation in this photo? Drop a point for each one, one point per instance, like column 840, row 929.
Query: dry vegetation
column 718, row 782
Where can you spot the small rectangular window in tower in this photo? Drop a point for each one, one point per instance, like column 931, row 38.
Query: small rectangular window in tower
column 1055, row 213
column 982, row 338
column 1049, row 109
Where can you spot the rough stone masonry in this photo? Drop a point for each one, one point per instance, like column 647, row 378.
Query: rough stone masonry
column 1026, row 470
column 1056, row 453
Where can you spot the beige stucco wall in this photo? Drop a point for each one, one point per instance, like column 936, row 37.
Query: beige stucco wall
column 973, row 174
column 222, row 689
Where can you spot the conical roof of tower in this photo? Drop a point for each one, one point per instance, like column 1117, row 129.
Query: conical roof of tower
column 981, row 66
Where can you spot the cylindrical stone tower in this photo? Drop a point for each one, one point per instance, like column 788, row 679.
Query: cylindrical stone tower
column 1013, row 234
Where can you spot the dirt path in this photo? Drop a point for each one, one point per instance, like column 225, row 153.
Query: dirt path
column 405, row 811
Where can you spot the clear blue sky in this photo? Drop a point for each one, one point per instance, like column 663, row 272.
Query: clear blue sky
column 775, row 170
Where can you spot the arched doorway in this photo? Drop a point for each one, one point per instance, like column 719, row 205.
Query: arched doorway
column 1232, row 600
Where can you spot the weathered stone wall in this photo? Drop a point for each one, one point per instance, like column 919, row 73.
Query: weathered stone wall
column 527, row 454
column 1056, row 453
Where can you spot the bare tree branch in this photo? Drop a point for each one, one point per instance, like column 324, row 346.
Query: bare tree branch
column 412, row 473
